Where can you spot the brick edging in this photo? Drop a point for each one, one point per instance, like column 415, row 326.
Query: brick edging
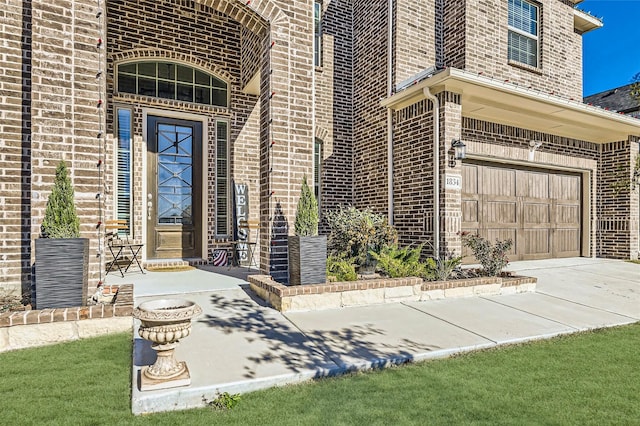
column 267, row 283
column 383, row 290
column 123, row 307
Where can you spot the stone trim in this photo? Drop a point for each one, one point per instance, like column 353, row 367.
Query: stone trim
column 378, row 291
column 123, row 307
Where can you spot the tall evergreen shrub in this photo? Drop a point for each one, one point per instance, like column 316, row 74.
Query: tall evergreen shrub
column 60, row 218
column 306, row 224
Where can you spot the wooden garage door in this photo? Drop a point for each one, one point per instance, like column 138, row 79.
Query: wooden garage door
column 539, row 209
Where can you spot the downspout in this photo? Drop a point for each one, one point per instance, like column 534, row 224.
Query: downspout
column 390, row 117
column 436, row 171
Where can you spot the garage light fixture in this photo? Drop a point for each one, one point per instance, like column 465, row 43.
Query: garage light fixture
column 533, row 146
column 459, row 151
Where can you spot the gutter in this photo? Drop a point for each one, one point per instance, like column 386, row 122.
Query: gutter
column 436, row 171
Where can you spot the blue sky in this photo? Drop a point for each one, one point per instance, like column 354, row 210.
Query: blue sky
column 611, row 53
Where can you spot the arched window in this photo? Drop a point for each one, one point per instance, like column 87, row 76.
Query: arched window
column 172, row 81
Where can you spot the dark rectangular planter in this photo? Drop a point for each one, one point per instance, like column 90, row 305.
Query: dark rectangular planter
column 61, row 273
column 307, row 260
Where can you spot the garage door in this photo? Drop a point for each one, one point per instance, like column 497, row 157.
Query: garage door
column 539, row 209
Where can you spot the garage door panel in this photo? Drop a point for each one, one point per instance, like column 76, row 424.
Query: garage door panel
column 501, row 212
column 567, row 242
column 535, row 242
column 470, row 211
column 567, row 214
column 566, row 188
column 533, row 184
column 470, row 178
column 498, row 181
column 536, row 213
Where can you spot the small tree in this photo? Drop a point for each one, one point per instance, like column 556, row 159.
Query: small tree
column 306, row 213
column 60, row 218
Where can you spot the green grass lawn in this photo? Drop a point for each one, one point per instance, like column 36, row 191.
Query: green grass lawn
column 590, row 378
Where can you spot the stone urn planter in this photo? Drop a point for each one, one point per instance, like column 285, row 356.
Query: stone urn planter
column 164, row 322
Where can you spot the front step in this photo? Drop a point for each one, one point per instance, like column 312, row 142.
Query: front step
column 172, row 263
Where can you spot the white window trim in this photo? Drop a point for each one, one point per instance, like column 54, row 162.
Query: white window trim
column 229, row 193
column 116, row 150
column 317, row 38
column 535, row 37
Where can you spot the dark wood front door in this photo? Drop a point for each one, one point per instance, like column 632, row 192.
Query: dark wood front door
column 174, row 179
column 539, row 209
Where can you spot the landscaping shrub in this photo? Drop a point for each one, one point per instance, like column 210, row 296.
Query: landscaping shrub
column 493, row 258
column 398, row 262
column 341, row 269
column 355, row 233
column 443, row 268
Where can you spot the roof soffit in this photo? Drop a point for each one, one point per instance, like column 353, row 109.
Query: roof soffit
column 499, row 102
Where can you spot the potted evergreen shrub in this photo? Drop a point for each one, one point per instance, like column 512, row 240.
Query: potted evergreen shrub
column 62, row 257
column 307, row 249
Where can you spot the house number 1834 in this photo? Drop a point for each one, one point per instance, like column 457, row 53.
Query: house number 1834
column 453, row 182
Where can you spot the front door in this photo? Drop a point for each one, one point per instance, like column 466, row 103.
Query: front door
column 174, row 196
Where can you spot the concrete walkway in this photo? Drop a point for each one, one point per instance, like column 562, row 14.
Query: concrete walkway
column 240, row 345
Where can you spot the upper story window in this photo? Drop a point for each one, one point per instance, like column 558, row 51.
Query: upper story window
column 317, row 34
column 523, row 32
column 172, row 81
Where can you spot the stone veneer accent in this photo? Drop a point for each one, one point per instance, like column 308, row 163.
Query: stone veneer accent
column 24, row 329
column 382, row 290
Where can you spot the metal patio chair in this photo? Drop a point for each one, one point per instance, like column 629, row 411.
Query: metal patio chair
column 123, row 252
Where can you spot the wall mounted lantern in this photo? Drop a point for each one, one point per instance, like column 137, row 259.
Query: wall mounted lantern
column 459, row 151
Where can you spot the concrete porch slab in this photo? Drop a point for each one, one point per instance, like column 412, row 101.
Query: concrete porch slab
column 498, row 323
column 197, row 280
column 370, row 336
column 235, row 345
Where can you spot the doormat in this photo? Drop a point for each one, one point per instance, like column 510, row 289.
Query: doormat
column 177, row 268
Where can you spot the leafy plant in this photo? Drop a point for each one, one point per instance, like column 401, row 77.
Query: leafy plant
column 306, row 224
column 342, row 269
column 493, row 258
column 224, row 401
column 60, row 218
column 443, row 267
column 356, row 233
column 401, row 262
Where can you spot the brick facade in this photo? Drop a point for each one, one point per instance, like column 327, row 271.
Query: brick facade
column 279, row 104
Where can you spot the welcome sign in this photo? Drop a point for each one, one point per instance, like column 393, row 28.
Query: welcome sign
column 241, row 212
